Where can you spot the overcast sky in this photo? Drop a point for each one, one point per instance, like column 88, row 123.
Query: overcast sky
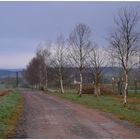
column 23, row 25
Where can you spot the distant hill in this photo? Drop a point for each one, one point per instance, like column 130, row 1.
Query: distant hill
column 10, row 72
column 108, row 71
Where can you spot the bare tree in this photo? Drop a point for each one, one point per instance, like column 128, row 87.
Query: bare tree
column 31, row 72
column 97, row 64
column 43, row 54
column 124, row 41
column 79, row 44
column 59, row 59
column 37, row 69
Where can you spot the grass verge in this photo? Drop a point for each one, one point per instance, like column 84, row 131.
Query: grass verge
column 10, row 108
column 109, row 104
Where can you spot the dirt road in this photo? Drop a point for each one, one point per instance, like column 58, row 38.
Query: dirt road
column 46, row 116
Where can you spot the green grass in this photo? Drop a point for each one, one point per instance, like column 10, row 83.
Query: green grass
column 10, row 107
column 134, row 95
column 2, row 86
column 107, row 103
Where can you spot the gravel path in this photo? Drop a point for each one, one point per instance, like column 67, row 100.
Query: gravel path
column 47, row 116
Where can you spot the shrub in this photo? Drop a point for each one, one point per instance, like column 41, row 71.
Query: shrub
column 89, row 89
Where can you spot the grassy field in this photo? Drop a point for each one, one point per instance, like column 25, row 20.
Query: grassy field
column 112, row 104
column 10, row 108
column 2, row 86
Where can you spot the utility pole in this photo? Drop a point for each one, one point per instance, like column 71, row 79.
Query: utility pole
column 139, row 61
column 17, row 79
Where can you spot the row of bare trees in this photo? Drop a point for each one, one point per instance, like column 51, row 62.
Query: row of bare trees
column 80, row 51
column 36, row 71
column 77, row 51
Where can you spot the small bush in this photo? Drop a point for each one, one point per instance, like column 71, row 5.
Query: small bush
column 89, row 89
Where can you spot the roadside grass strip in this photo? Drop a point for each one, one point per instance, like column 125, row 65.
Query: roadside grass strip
column 109, row 104
column 10, row 108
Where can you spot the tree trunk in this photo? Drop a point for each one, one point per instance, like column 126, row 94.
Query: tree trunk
column 113, row 84
column 126, row 87
column 46, row 78
column 46, row 81
column 81, row 84
column 61, row 80
column 46, row 84
column 135, row 83
column 97, row 90
column 61, row 85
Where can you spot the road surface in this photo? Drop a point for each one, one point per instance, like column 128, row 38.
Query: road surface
column 47, row 116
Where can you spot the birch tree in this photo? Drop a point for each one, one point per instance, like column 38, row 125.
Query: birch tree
column 43, row 54
column 97, row 63
column 79, row 44
column 59, row 59
column 124, row 41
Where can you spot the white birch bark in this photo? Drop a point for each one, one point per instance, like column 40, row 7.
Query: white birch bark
column 81, row 84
